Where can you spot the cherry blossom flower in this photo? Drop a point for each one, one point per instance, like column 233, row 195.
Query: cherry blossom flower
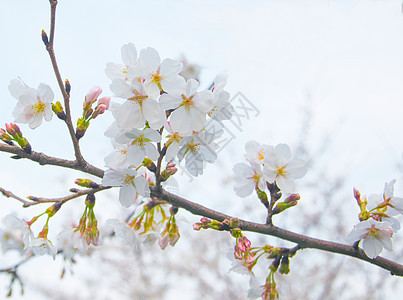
column 159, row 76
column 141, row 145
column 15, row 224
column 130, row 185
column 118, row 159
column 33, row 104
column 190, row 107
column 222, row 110
column 41, row 246
column 123, row 231
column 280, row 168
column 138, row 108
column 127, row 71
column 374, row 236
column 256, row 153
column 248, row 177
column 71, row 242
column 198, row 149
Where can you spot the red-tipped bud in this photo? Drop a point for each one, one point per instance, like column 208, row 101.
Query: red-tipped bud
column 5, row 137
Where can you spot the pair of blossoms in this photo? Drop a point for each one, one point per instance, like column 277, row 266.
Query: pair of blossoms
column 160, row 109
column 275, row 164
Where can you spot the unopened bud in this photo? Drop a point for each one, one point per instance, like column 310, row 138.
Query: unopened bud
column 91, row 97
column 87, row 183
column 90, row 201
column 173, row 210
column 67, row 86
column 357, row 196
column 285, row 265
column 58, row 110
column 262, row 196
column 88, row 113
column 5, row 137
column 45, row 38
column 149, row 164
column 14, row 130
column 169, row 171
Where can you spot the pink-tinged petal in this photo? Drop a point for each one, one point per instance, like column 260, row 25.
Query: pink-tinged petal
column 28, row 98
column 285, row 184
column 129, row 54
column 150, row 59
column 170, row 66
column 35, row 122
column 127, row 195
column 105, row 101
column 283, row 151
column 371, row 246
column 354, row 236
column 45, row 93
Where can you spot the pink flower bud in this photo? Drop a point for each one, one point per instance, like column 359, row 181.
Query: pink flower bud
column 105, row 101
column 246, row 242
column 92, row 95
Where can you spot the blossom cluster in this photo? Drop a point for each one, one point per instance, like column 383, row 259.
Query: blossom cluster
column 268, row 164
column 160, row 114
column 377, row 220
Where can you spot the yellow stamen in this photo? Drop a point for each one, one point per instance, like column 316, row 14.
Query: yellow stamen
column 38, row 107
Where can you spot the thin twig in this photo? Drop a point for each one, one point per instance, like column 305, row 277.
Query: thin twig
column 39, row 200
column 66, row 96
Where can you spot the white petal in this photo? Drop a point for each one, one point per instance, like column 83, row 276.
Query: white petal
column 371, row 246
column 283, row 151
column 129, row 54
column 285, row 184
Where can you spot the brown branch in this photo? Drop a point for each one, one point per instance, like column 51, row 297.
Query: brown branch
column 44, row 159
column 66, row 96
column 268, row 229
column 39, row 200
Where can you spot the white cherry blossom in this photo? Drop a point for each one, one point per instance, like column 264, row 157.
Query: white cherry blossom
column 138, row 108
column 41, row 246
column 190, row 107
column 159, row 76
column 141, row 145
column 280, row 168
column 130, row 185
column 33, row 105
column 127, row 71
column 248, row 178
column 374, row 236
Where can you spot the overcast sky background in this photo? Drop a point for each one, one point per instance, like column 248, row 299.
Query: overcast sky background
column 341, row 59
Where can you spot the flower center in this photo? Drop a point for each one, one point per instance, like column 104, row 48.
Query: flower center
column 128, row 179
column 38, row 107
column 187, row 102
column 281, row 170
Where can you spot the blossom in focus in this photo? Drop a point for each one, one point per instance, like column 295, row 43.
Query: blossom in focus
column 256, row 153
column 374, row 235
column 141, row 145
column 33, row 105
column 190, row 107
column 139, row 107
column 279, row 167
column 249, row 177
column 130, row 185
column 159, row 76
